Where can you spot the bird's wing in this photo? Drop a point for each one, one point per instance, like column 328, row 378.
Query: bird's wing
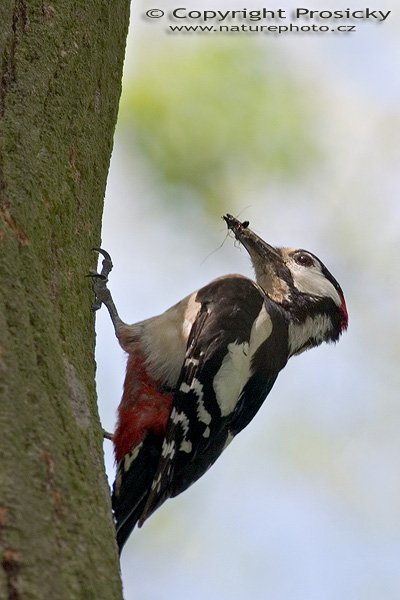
column 234, row 353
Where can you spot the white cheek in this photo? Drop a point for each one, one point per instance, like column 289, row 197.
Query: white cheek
column 310, row 280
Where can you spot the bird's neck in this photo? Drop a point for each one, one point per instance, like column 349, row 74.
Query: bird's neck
column 308, row 332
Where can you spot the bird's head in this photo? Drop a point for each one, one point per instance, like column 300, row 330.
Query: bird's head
column 298, row 281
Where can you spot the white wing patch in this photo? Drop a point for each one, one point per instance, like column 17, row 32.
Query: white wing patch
column 202, row 413
column 168, row 450
column 235, row 370
column 181, row 418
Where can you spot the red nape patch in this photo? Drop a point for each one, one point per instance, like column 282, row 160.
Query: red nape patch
column 143, row 409
column 345, row 321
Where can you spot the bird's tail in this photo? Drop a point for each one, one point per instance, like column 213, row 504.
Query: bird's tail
column 132, row 485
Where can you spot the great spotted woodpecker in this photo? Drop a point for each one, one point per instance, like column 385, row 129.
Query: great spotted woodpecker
column 198, row 373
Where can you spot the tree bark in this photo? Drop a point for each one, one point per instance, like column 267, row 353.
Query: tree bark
column 60, row 82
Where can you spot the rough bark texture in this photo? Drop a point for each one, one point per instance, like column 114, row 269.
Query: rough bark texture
column 60, row 79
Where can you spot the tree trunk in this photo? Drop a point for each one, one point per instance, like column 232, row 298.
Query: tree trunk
column 60, row 82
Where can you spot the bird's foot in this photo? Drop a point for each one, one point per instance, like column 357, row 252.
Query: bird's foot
column 102, row 293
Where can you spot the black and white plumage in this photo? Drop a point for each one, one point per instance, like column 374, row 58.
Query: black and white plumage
column 198, row 373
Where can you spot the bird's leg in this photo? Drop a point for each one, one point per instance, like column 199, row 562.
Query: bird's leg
column 103, row 294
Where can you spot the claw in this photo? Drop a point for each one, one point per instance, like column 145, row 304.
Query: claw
column 103, row 253
column 102, row 294
column 106, row 264
column 101, row 291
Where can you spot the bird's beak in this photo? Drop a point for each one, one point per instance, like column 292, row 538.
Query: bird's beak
column 270, row 269
column 250, row 240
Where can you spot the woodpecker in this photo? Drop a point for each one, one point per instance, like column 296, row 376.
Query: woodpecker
column 198, row 373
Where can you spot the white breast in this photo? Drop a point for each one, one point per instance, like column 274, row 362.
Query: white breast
column 164, row 339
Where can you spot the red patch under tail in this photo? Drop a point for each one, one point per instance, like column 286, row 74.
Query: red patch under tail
column 144, row 408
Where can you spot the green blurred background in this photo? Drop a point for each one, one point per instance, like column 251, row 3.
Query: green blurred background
column 299, row 134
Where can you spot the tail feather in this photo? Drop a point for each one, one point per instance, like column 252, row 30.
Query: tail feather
column 135, row 474
column 125, row 528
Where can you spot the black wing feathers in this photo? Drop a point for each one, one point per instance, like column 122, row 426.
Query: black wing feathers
column 197, row 432
column 269, row 359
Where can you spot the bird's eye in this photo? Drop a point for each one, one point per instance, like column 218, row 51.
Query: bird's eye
column 303, row 259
